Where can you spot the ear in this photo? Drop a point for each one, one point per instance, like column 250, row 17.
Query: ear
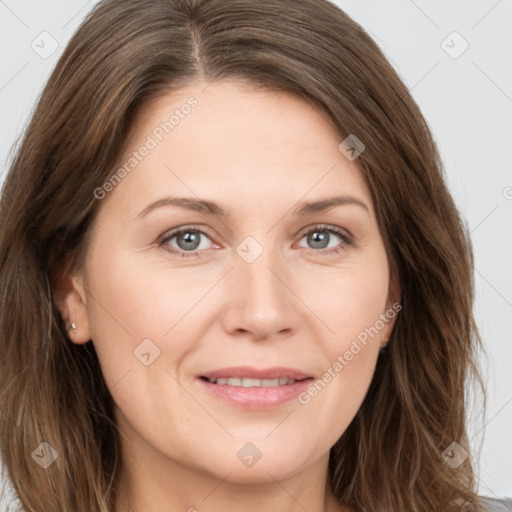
column 393, row 306
column 71, row 299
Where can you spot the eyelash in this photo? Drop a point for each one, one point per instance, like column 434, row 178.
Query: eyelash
column 347, row 239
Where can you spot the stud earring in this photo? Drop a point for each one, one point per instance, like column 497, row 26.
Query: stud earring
column 73, row 326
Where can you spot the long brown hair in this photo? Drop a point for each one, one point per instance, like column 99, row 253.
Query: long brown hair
column 130, row 51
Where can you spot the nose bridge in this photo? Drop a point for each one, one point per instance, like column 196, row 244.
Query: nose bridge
column 262, row 303
column 257, row 266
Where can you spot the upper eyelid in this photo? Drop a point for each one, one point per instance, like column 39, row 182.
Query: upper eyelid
column 324, row 227
column 171, row 233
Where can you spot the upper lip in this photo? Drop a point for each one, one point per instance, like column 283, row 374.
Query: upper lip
column 276, row 372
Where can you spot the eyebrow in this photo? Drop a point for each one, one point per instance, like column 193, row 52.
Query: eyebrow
column 211, row 208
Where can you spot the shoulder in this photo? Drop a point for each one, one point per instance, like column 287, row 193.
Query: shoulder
column 497, row 505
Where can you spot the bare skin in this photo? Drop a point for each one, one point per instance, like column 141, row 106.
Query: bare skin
column 299, row 304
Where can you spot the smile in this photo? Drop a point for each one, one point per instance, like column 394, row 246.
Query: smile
column 251, row 383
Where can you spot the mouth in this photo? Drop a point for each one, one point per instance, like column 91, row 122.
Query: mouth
column 250, row 388
column 252, row 375
column 247, row 382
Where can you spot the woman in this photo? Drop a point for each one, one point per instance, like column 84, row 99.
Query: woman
column 178, row 333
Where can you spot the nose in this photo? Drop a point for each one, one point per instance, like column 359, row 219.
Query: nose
column 261, row 302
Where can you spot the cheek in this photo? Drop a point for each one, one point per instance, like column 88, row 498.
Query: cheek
column 131, row 302
column 349, row 302
column 350, row 359
column 140, row 293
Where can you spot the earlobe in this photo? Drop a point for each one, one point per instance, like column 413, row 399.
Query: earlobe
column 71, row 300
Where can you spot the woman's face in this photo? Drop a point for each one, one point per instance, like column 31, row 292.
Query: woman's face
column 278, row 280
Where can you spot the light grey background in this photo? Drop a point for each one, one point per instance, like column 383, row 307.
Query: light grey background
column 467, row 101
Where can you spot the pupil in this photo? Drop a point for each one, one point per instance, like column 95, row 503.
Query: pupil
column 190, row 238
column 318, row 239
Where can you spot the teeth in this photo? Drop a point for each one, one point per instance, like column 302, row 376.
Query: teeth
column 252, row 383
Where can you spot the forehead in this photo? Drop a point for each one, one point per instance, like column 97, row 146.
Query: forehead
column 235, row 142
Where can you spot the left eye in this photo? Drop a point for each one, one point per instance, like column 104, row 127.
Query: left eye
column 188, row 240
column 319, row 235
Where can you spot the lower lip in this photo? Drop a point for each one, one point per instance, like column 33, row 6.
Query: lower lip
column 256, row 397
